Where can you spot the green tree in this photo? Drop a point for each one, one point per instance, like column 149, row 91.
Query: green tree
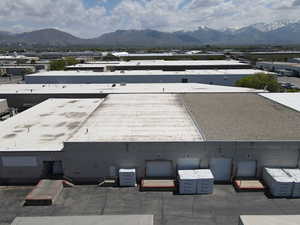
column 260, row 81
column 57, row 64
column 70, row 61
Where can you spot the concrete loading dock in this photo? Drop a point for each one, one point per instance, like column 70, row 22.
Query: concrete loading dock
column 269, row 220
column 139, row 131
column 217, row 77
column 87, row 220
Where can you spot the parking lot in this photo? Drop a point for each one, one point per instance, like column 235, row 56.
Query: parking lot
column 293, row 80
column 221, row 208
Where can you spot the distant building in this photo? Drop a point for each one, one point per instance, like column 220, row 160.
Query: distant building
column 294, row 60
column 164, row 65
column 216, row 77
column 16, row 70
column 280, row 67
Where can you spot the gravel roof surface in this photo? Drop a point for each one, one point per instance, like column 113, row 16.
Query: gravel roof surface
column 242, row 117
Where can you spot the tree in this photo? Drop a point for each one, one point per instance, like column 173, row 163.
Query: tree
column 71, row 61
column 60, row 64
column 57, row 64
column 260, row 81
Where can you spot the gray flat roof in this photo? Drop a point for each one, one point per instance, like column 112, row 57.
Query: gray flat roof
column 225, row 72
column 118, row 88
column 46, row 126
column 238, row 117
column 270, row 219
column 139, row 118
column 86, row 220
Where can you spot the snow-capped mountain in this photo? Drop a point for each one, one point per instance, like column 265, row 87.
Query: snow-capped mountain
column 280, row 32
column 267, row 27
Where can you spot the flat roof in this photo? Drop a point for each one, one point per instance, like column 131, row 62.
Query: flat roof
column 86, row 220
column 17, row 67
column 291, row 100
column 224, row 72
column 46, row 126
column 276, row 52
column 290, row 64
column 139, row 118
column 242, row 117
column 160, row 63
column 270, row 219
column 118, row 88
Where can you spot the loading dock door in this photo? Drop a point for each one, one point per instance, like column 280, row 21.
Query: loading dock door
column 221, row 169
column 246, row 169
column 188, row 164
column 159, row 169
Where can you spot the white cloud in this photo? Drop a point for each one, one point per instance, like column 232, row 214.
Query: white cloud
column 166, row 15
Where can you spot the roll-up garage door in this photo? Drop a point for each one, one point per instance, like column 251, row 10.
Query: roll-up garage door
column 246, row 169
column 159, row 169
column 221, row 169
column 188, row 164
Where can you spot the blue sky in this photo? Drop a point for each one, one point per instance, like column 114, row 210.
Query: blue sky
column 91, row 18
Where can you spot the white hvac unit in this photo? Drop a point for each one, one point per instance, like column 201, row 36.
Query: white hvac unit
column 187, row 182
column 221, row 169
column 246, row 169
column 195, row 181
column 127, row 177
column 295, row 174
column 205, row 183
column 279, row 183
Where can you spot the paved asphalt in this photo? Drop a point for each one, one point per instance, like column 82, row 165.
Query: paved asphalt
column 221, row 208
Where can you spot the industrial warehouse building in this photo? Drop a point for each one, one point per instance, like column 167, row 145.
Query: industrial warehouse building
column 16, row 70
column 234, row 134
column 163, row 65
column 285, row 68
column 217, row 77
column 22, row 96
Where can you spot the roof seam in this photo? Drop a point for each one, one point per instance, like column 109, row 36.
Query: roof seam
column 189, row 111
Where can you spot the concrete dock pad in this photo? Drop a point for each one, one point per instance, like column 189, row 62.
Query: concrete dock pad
column 86, row 220
column 45, row 193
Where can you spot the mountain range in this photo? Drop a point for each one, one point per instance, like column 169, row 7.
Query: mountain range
column 281, row 33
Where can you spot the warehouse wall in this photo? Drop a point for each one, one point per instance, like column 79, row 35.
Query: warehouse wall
column 28, row 174
column 227, row 80
column 91, row 161
column 27, row 100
